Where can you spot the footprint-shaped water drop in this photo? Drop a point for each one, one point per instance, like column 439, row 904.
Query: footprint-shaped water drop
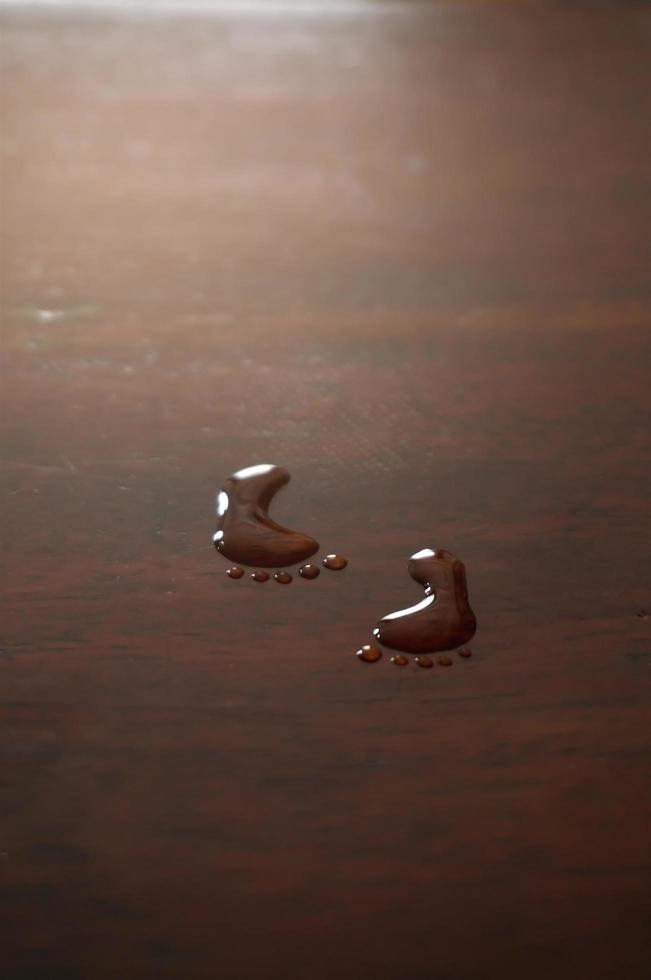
column 245, row 531
column 443, row 620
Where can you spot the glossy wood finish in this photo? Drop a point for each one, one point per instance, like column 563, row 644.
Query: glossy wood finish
column 405, row 255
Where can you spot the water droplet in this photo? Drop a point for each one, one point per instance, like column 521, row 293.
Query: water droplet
column 245, row 531
column 369, row 654
column 235, row 572
column 424, row 661
column 399, row 660
column 284, row 578
column 465, row 652
column 309, row 571
column 443, row 620
column 260, row 576
column 643, row 614
column 444, row 661
column 335, row 562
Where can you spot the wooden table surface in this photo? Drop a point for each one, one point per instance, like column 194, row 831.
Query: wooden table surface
column 403, row 251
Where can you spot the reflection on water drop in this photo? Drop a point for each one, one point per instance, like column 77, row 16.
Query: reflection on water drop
column 444, row 661
column 399, row 660
column 309, row 571
column 283, row 578
column 369, row 654
column 245, row 531
column 335, row 562
column 235, row 572
column 259, row 576
column 465, row 652
column 424, row 661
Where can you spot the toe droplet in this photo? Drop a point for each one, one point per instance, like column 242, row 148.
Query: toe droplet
column 235, row 572
column 399, row 660
column 465, row 652
column 424, row 661
column 260, row 576
column 283, row 578
column 444, row 661
column 369, row 654
column 246, row 532
column 335, row 562
column 309, row 571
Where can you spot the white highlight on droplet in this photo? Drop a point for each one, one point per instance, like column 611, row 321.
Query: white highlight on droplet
column 222, row 503
column 423, row 604
column 425, row 553
column 257, row 470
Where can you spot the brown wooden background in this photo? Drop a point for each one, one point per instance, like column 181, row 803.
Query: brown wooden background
column 404, row 252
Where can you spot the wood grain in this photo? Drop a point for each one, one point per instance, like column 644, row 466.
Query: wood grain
column 403, row 253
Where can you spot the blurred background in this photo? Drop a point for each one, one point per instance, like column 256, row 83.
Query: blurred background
column 402, row 249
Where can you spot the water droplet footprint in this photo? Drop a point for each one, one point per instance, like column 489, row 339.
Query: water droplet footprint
column 442, row 620
column 245, row 532
column 248, row 535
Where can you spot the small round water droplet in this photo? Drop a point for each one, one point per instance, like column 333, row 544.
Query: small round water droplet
column 335, row 562
column 369, row 654
column 399, row 660
column 309, row 571
column 444, row 661
column 425, row 661
column 465, row 652
column 260, row 576
column 284, row 578
column 235, row 572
